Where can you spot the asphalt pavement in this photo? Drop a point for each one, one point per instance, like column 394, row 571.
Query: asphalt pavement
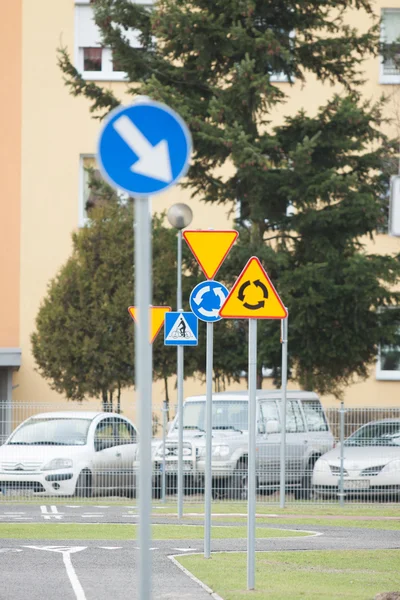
column 104, row 570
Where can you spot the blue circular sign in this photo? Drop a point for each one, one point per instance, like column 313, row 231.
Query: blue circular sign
column 207, row 299
column 144, row 148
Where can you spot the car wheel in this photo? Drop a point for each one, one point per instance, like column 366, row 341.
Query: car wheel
column 156, row 491
column 83, row 488
column 240, row 482
column 305, row 492
column 220, row 489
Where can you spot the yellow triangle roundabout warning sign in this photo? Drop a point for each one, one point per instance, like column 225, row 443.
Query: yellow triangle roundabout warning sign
column 156, row 318
column 253, row 296
column 210, row 247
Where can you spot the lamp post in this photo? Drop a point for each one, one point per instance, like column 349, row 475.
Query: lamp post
column 180, row 216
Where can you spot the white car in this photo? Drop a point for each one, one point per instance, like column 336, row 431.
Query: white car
column 70, row 453
column 371, row 463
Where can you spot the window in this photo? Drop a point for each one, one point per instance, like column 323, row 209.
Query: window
column 269, row 412
column 390, row 33
column 87, row 196
column 294, row 419
column 105, row 434
column 125, row 433
column 314, row 415
column 92, row 59
column 388, row 361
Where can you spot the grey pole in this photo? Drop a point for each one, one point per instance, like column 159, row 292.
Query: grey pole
column 163, row 475
column 251, row 500
column 180, row 383
column 143, row 374
column 282, row 487
column 341, row 479
column 208, row 476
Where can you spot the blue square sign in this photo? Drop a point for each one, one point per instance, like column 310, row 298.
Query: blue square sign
column 181, row 329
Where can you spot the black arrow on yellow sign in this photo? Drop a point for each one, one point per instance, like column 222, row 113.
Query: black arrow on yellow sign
column 259, row 304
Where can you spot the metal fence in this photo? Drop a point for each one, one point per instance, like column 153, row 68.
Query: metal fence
column 68, row 450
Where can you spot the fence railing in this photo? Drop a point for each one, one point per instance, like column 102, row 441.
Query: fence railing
column 64, row 450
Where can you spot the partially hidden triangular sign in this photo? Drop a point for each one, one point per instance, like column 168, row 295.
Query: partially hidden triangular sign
column 210, row 247
column 253, row 296
column 156, row 318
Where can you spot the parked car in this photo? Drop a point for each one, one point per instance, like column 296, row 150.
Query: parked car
column 307, row 435
column 371, row 463
column 70, row 453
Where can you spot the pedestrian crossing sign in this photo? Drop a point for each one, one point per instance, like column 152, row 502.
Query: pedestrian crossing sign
column 180, row 329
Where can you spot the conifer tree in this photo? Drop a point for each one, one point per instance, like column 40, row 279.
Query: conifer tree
column 310, row 190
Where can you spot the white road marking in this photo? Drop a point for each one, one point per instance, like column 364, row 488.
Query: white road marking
column 137, row 548
column 101, row 507
column 72, row 506
column 111, row 547
column 3, row 550
column 185, row 549
column 87, row 515
column 52, row 514
column 66, row 552
column 14, row 513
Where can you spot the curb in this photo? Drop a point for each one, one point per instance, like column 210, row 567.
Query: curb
column 205, row 587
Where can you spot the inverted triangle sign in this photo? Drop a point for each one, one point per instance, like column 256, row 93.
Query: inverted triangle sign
column 253, row 296
column 156, row 318
column 210, row 247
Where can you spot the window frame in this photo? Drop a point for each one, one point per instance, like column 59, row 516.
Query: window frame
column 385, row 79
column 385, row 374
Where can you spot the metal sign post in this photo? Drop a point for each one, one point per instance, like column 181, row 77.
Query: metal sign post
column 180, row 385
column 164, row 433
column 253, row 297
column 251, row 485
column 143, row 384
column 144, row 149
column 208, row 473
column 282, row 486
column 210, row 248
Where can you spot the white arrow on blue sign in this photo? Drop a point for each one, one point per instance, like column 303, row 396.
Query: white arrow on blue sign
column 207, row 299
column 180, row 329
column 144, row 148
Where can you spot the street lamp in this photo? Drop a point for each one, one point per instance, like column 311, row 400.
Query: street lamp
column 180, row 216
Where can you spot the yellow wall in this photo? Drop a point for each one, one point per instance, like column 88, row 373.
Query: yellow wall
column 10, row 179
column 56, row 129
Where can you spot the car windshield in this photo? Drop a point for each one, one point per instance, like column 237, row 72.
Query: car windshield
column 226, row 414
column 52, row 432
column 376, row 434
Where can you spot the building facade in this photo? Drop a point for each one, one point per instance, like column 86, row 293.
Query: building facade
column 48, row 138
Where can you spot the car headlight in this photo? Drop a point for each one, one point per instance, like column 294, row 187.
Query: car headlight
column 220, row 450
column 391, row 467
column 322, row 466
column 58, row 463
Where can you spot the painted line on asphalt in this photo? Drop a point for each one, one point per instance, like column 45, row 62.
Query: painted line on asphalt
column 72, row 576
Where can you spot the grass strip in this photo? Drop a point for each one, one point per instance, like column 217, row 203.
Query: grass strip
column 310, row 575
column 110, row 531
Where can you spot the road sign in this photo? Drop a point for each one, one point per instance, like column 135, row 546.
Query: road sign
column 207, row 299
column 181, row 329
column 144, row 148
column 210, row 247
column 158, row 314
column 253, row 296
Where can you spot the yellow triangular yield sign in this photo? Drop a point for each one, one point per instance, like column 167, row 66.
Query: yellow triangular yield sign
column 210, row 247
column 156, row 318
column 253, row 296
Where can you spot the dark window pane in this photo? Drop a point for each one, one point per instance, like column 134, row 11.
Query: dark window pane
column 92, row 59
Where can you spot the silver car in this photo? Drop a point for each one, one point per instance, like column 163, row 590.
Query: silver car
column 371, row 463
column 307, row 437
